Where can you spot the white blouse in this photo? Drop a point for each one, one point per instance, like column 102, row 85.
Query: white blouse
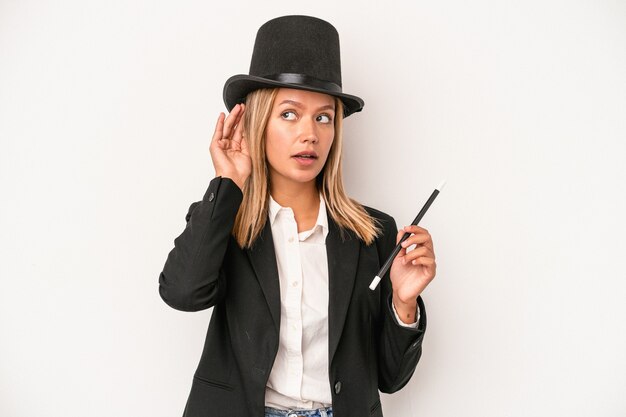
column 299, row 377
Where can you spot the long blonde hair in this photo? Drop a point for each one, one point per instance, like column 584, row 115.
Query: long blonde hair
column 253, row 211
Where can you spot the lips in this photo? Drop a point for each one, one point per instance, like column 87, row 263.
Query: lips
column 305, row 155
column 305, row 159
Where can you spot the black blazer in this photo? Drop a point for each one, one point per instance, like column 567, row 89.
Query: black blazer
column 368, row 350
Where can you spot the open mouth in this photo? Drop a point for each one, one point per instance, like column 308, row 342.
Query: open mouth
column 305, row 155
column 305, row 159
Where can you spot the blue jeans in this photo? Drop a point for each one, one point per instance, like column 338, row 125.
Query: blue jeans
column 321, row 412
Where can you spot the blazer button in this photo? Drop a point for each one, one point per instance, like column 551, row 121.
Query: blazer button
column 337, row 387
column 211, row 196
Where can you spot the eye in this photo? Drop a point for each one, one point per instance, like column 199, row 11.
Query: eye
column 288, row 115
column 324, row 118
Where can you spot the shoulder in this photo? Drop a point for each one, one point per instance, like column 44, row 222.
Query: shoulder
column 386, row 239
column 381, row 217
column 384, row 221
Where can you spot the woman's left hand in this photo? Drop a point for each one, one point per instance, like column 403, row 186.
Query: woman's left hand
column 412, row 271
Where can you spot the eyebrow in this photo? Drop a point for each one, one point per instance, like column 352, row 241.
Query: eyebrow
column 297, row 104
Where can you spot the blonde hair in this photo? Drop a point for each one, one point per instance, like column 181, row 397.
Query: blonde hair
column 253, row 211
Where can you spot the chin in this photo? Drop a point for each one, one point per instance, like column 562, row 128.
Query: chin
column 304, row 177
column 305, row 180
column 298, row 176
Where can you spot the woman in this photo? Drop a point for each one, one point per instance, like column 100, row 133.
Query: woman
column 285, row 257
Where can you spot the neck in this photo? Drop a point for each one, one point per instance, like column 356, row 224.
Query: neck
column 303, row 199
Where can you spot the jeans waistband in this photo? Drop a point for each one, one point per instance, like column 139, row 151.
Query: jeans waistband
column 318, row 412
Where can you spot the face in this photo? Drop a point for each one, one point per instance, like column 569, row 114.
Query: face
column 299, row 134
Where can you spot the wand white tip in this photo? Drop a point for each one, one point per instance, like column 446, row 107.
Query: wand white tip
column 374, row 283
column 441, row 185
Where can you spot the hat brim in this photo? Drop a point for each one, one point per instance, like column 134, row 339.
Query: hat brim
column 238, row 87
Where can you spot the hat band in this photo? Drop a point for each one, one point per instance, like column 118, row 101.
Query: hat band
column 304, row 80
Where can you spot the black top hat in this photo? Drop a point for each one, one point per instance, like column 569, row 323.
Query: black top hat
column 299, row 52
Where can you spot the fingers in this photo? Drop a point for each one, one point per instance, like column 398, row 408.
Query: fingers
column 421, row 255
column 419, row 237
column 429, row 266
column 228, row 128
column 243, row 144
column 237, row 136
column 219, row 127
column 421, row 241
column 401, row 233
column 232, row 121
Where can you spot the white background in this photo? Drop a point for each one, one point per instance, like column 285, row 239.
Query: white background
column 106, row 111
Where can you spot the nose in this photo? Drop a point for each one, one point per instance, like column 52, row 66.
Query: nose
column 308, row 132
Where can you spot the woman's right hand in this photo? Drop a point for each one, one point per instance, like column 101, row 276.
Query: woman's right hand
column 229, row 150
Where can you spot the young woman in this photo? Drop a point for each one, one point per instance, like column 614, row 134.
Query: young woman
column 286, row 258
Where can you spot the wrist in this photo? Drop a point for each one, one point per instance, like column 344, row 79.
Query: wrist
column 407, row 311
column 234, row 178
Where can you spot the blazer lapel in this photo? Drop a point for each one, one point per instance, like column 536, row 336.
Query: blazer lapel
column 343, row 257
column 263, row 259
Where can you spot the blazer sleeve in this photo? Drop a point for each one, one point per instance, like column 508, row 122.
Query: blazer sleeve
column 399, row 347
column 191, row 279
